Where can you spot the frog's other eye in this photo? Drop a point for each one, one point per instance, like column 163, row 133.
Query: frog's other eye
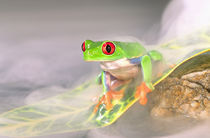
column 108, row 48
column 83, row 46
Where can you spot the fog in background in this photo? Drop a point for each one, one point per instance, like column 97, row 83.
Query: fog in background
column 40, row 40
column 40, row 46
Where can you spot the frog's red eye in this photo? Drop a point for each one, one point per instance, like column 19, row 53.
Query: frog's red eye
column 108, row 48
column 83, row 46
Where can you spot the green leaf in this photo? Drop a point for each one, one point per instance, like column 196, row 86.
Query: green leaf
column 67, row 112
column 70, row 111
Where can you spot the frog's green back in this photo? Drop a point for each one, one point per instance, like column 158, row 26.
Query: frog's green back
column 131, row 49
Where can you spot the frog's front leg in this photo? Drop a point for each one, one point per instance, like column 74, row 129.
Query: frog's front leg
column 108, row 93
column 146, row 85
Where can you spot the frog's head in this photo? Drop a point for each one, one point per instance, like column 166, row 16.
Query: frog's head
column 111, row 50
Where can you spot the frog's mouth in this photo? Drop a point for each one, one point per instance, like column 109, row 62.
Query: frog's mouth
column 96, row 56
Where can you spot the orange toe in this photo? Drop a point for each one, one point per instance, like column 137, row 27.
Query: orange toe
column 141, row 93
column 107, row 101
column 107, row 98
column 99, row 103
column 145, row 88
column 117, row 94
column 143, row 98
column 138, row 91
column 143, row 101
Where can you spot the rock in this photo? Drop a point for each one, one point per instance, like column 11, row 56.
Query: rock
column 188, row 96
column 201, row 78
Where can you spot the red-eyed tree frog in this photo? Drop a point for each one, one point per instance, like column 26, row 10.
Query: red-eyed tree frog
column 121, row 61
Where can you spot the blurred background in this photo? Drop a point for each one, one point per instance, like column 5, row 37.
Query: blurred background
column 40, row 41
column 40, row 50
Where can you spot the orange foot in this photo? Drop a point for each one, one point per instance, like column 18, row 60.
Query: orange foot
column 107, row 97
column 141, row 93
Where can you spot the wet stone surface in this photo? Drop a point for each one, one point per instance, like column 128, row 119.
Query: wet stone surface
column 188, row 96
